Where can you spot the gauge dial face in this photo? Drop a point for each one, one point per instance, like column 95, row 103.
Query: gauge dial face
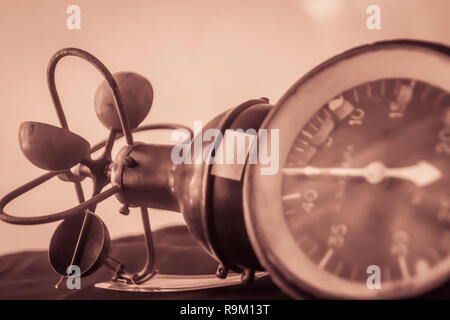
column 366, row 184
column 360, row 205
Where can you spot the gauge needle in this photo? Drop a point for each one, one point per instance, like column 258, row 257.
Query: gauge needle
column 422, row 173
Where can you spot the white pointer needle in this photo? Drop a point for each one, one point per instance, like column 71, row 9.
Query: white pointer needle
column 422, row 173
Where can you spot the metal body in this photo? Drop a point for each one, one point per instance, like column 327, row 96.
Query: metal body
column 211, row 206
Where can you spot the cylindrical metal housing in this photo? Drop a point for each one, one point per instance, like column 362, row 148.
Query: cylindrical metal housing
column 211, row 204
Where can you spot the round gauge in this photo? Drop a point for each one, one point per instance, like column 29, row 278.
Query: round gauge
column 360, row 206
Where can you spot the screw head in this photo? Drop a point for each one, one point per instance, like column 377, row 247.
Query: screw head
column 129, row 162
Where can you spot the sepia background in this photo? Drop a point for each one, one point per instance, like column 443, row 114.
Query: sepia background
column 202, row 57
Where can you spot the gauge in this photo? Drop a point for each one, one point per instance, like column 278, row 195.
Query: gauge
column 364, row 179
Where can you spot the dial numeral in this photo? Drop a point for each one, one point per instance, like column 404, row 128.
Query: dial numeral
column 337, row 236
column 309, row 199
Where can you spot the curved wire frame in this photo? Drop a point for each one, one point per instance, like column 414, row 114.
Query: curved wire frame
column 57, row 103
column 106, row 74
column 126, row 131
column 97, row 197
column 81, row 207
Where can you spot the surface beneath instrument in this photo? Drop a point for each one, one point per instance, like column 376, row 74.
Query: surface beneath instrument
column 28, row 275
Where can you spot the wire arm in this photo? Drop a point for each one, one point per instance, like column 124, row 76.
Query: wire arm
column 106, row 74
column 51, row 217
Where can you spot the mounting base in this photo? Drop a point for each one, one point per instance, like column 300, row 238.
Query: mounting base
column 178, row 283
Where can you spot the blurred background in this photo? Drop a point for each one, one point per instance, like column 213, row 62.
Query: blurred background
column 201, row 56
